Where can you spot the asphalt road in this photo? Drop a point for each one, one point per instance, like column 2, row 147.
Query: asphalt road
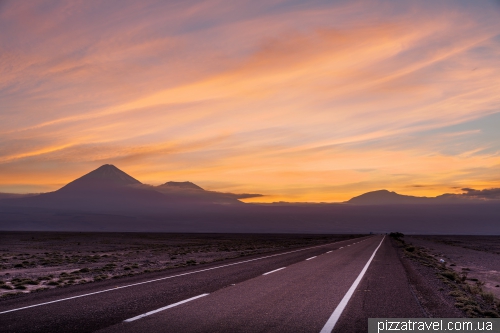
column 303, row 290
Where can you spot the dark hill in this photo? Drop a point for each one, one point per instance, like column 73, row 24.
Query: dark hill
column 384, row 197
column 187, row 191
column 16, row 195
column 181, row 185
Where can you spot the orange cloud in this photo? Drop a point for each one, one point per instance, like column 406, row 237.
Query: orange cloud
column 294, row 101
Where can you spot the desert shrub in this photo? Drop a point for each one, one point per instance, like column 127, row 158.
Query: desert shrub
column 53, row 283
column 473, row 289
column 491, row 314
column 488, row 297
column 127, row 268
column 84, row 270
column 109, row 267
column 191, row 262
column 450, row 276
column 43, row 278
column 456, row 293
column 472, row 310
column 18, row 266
column 20, row 287
column 410, row 248
column 100, row 277
column 5, row 286
column 396, row 235
column 31, row 282
column 465, row 300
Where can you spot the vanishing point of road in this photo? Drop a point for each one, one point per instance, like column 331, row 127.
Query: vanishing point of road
column 328, row 288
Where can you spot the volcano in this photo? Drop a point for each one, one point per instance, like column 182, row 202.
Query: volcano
column 109, row 189
column 105, row 176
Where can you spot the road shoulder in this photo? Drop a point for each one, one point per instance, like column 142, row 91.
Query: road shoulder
column 384, row 292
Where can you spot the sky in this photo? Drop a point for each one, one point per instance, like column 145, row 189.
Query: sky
column 298, row 100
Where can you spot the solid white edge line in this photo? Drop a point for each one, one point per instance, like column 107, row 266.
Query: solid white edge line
column 165, row 278
column 329, row 251
column 330, row 324
column 311, row 258
column 279, row 269
column 163, row 308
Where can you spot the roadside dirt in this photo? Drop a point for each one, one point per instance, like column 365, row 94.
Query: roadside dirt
column 445, row 279
column 476, row 256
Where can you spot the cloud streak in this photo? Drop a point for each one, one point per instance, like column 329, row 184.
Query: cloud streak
column 490, row 193
column 283, row 98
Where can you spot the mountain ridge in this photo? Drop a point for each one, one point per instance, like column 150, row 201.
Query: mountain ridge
column 108, row 188
column 181, row 185
column 385, row 197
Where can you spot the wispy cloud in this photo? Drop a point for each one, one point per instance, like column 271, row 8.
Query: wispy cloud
column 292, row 99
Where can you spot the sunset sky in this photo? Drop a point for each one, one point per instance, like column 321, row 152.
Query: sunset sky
column 297, row 100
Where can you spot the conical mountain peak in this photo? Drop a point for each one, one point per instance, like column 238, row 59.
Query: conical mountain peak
column 106, row 174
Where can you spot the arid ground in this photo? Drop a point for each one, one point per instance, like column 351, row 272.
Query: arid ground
column 33, row 261
column 462, row 271
column 476, row 256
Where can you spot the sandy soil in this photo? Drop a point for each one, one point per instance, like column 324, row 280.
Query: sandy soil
column 476, row 256
column 33, row 261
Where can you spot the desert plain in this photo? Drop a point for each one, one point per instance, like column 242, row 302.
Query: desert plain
column 35, row 261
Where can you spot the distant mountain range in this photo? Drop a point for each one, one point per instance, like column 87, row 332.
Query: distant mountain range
column 16, row 195
column 108, row 199
column 385, row 197
column 108, row 188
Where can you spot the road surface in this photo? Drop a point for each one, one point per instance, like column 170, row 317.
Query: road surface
column 333, row 287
